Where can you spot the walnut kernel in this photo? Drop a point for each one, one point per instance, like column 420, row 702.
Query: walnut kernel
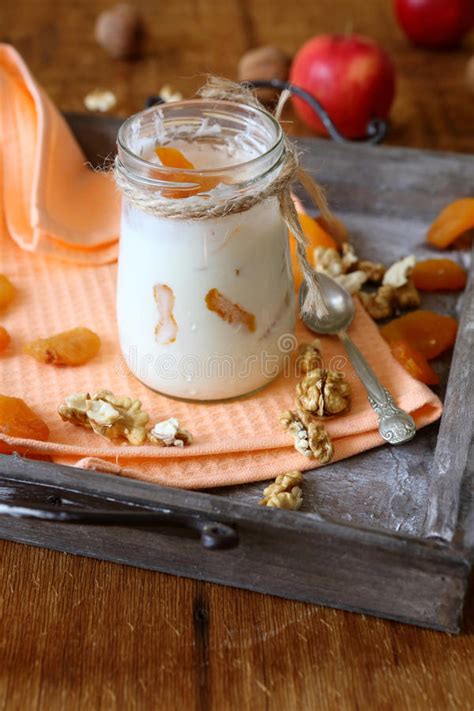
column 310, row 436
column 100, row 100
column 168, row 433
column 116, row 418
column 397, row 275
column 352, row 281
column 374, row 270
column 285, row 492
column 380, row 304
column 323, row 393
column 407, row 296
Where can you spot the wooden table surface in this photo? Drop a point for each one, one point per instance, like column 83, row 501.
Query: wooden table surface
column 82, row 634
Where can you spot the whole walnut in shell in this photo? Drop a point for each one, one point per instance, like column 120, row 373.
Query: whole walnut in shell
column 264, row 63
column 119, row 31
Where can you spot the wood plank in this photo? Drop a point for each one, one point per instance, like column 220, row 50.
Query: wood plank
column 451, row 463
column 280, row 552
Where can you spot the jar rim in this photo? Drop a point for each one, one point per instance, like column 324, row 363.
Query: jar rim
column 277, row 143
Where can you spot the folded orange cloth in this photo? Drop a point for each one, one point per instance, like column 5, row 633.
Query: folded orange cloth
column 52, row 202
column 235, row 442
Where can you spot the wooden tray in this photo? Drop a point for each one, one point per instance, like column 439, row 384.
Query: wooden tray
column 389, row 532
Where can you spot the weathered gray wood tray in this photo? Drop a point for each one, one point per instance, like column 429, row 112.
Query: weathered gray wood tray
column 389, row 532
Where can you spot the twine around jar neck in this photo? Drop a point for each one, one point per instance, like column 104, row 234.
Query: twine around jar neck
column 157, row 204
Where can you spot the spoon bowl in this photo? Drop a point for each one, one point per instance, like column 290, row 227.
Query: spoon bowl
column 339, row 304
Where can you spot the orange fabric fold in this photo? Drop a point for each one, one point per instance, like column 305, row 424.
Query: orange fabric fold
column 52, row 202
column 54, row 206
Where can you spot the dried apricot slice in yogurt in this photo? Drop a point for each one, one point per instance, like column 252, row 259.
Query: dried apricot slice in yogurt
column 438, row 275
column 7, row 291
column 173, row 158
column 414, row 362
column 19, row 420
column 232, row 313
column 428, row 332
column 4, row 338
column 456, row 219
column 73, row 347
column 166, row 328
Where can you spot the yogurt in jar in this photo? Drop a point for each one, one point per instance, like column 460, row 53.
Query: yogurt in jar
column 204, row 305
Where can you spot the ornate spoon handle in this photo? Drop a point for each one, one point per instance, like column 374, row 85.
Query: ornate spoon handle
column 395, row 425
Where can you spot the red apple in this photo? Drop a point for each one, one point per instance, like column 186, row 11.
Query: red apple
column 435, row 23
column 351, row 76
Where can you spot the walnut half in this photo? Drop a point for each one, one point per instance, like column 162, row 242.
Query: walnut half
column 323, row 393
column 116, row 418
column 310, row 436
column 285, row 492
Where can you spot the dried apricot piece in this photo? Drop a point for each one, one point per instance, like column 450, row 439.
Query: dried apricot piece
column 228, row 311
column 166, row 329
column 316, row 236
column 335, row 227
column 7, row 291
column 414, row 362
column 19, row 420
column 173, row 158
column 428, row 332
column 439, row 275
column 4, row 338
column 73, row 347
column 451, row 223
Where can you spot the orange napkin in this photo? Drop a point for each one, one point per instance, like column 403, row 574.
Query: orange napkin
column 52, row 202
column 235, row 442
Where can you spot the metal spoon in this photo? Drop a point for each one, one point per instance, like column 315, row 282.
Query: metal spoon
column 395, row 425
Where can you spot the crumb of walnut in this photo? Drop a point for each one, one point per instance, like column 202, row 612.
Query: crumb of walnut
column 116, row 418
column 375, row 271
column 285, row 492
column 168, row 94
column 323, row 393
column 328, row 261
column 298, row 431
column 380, row 304
column 388, row 299
column 318, row 438
column 342, row 268
column 407, row 296
column 397, row 274
column 349, row 258
column 100, row 100
column 169, row 433
column 310, row 436
column 308, row 356
column 352, row 281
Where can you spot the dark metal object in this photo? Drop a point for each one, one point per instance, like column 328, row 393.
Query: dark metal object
column 376, row 128
column 213, row 535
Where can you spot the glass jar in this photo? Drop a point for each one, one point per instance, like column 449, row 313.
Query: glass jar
column 204, row 305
